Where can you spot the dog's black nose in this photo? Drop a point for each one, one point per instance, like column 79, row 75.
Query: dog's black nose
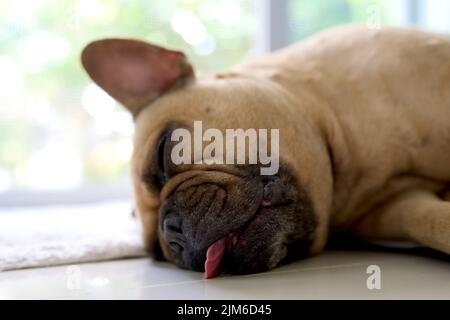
column 178, row 235
column 172, row 231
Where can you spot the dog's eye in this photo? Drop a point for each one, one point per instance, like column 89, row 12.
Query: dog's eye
column 161, row 170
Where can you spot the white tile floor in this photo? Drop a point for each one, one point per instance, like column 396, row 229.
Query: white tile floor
column 332, row 275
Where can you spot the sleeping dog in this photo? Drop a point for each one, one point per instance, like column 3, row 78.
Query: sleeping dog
column 364, row 146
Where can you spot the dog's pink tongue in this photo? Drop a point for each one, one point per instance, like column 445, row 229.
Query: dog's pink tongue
column 214, row 255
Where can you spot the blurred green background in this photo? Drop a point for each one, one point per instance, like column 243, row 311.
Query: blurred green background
column 57, row 129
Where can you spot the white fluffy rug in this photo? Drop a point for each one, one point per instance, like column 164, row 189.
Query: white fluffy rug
column 45, row 236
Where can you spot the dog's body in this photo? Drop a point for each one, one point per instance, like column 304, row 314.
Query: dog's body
column 382, row 100
column 364, row 119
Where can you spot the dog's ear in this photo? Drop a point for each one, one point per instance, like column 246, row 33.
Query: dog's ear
column 133, row 72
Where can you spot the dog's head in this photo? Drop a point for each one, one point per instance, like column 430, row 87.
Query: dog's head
column 227, row 215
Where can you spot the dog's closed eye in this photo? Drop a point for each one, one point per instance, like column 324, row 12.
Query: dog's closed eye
column 161, row 170
column 156, row 173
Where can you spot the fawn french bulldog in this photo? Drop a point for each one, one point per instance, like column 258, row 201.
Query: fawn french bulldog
column 364, row 146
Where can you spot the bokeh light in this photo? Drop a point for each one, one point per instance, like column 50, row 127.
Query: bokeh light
column 41, row 48
column 189, row 27
column 10, row 78
column 55, row 166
